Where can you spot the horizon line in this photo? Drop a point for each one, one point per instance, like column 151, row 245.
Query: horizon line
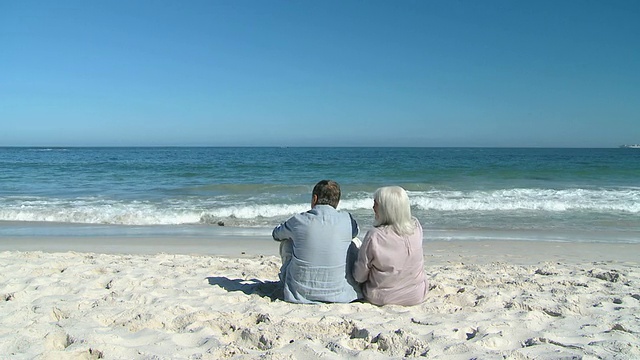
column 308, row 146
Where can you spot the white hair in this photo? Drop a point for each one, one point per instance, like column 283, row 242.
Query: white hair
column 394, row 210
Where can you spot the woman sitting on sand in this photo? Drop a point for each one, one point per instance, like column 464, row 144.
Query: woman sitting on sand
column 390, row 261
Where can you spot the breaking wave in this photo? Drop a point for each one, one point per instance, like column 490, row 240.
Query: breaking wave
column 96, row 210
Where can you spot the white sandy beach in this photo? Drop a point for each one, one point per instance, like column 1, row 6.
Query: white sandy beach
column 489, row 300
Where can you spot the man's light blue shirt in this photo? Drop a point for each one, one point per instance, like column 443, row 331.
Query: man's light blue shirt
column 318, row 270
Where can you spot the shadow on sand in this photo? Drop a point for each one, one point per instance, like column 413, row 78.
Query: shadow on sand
column 269, row 289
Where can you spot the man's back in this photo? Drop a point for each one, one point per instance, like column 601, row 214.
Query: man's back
column 317, row 271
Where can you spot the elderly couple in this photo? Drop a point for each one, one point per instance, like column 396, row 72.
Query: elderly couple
column 324, row 261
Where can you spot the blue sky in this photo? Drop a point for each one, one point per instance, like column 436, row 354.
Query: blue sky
column 320, row 73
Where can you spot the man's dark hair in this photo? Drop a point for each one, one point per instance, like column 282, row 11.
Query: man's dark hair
column 328, row 193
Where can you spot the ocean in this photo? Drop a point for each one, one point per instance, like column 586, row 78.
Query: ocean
column 574, row 195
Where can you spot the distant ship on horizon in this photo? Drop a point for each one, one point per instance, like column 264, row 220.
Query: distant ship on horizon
column 632, row 146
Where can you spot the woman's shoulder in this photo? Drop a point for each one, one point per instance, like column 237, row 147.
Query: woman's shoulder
column 372, row 233
column 380, row 232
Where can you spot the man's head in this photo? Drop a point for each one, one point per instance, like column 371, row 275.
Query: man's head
column 326, row 192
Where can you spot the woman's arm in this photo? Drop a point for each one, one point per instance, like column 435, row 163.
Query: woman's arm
column 361, row 266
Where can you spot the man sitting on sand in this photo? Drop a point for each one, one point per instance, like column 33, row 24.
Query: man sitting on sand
column 313, row 247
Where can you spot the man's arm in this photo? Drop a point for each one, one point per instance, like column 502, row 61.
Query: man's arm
column 355, row 230
column 283, row 231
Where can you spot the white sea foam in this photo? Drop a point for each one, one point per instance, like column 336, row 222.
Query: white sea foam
column 356, row 204
column 253, row 211
column 529, row 199
column 100, row 211
column 193, row 211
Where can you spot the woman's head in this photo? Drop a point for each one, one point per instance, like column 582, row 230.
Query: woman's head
column 392, row 208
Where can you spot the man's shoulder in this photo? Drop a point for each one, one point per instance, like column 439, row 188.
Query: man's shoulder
column 320, row 212
column 327, row 209
column 303, row 217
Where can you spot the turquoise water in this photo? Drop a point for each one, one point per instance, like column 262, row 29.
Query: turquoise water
column 457, row 193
